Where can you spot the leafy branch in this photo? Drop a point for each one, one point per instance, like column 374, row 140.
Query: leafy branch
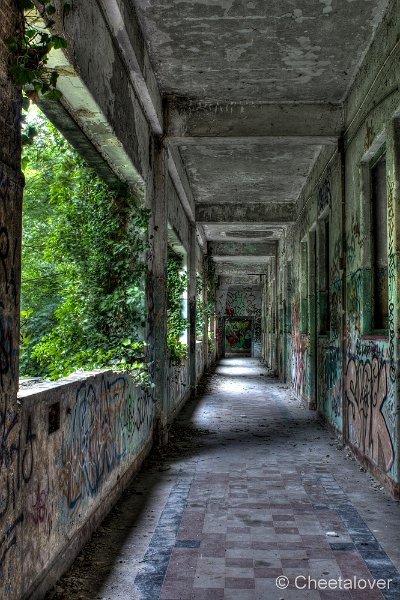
column 83, row 266
column 177, row 281
column 29, row 53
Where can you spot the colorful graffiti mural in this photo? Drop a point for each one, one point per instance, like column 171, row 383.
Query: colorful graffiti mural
column 300, row 352
column 242, row 302
column 238, row 336
column 366, row 393
column 103, row 429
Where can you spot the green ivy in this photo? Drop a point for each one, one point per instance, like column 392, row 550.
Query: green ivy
column 29, row 52
column 201, row 309
column 83, row 265
column 177, row 282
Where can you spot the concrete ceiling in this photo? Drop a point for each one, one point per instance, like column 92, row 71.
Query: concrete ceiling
column 270, row 50
column 252, row 91
column 239, row 172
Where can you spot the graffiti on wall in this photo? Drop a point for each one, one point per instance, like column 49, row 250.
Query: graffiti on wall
column 300, row 351
column 104, row 428
column 243, row 302
column 366, row 394
column 16, row 440
column 354, row 295
column 16, row 469
column 354, row 242
column 391, row 278
column 238, row 336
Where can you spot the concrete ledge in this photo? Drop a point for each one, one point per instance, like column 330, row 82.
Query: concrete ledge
column 67, row 555
column 79, row 441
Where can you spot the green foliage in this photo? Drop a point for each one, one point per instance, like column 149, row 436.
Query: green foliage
column 177, row 282
column 28, row 66
column 210, row 281
column 83, row 265
column 201, row 312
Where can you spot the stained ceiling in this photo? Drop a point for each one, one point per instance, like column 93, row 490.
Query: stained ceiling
column 272, row 54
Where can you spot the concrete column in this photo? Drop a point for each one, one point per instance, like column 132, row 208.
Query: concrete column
column 12, row 480
column 157, row 286
column 192, row 308
column 312, row 319
column 206, row 321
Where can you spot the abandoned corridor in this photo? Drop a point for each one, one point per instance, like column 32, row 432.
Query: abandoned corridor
column 260, row 142
column 250, row 488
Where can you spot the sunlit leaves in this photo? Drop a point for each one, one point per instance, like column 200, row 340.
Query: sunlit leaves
column 83, row 268
column 29, row 52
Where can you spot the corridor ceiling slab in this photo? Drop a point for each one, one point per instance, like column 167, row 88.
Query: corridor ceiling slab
column 258, row 50
column 248, row 173
column 253, row 90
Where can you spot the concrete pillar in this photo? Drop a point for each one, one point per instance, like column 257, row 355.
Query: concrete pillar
column 11, row 187
column 312, row 318
column 192, row 308
column 157, row 285
column 206, row 321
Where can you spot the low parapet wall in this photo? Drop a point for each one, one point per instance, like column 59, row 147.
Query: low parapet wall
column 81, row 440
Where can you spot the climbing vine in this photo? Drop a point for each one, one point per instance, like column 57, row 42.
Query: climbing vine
column 83, row 267
column 29, row 52
column 201, row 309
column 210, row 281
column 177, row 281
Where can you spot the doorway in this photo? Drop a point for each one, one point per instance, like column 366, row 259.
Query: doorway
column 238, row 336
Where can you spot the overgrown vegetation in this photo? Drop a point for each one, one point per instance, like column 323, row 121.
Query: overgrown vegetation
column 201, row 309
column 29, row 52
column 83, row 265
column 177, row 281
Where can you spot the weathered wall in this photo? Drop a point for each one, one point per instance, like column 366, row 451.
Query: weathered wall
column 199, row 360
column 349, row 372
column 80, row 440
column 178, row 388
column 241, row 302
column 269, row 334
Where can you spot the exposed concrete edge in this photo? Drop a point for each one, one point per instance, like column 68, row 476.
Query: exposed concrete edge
column 142, row 79
column 62, row 120
column 183, row 194
column 193, row 119
column 201, row 238
column 389, row 484
column 66, row 556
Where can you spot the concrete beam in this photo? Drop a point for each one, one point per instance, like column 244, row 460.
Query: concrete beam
column 254, row 249
column 178, row 175
column 236, row 269
column 268, row 213
column 124, row 26
column 318, row 122
column 60, row 117
column 227, row 281
column 201, row 238
column 99, row 92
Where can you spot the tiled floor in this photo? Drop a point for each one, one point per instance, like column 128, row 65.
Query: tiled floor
column 252, row 489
